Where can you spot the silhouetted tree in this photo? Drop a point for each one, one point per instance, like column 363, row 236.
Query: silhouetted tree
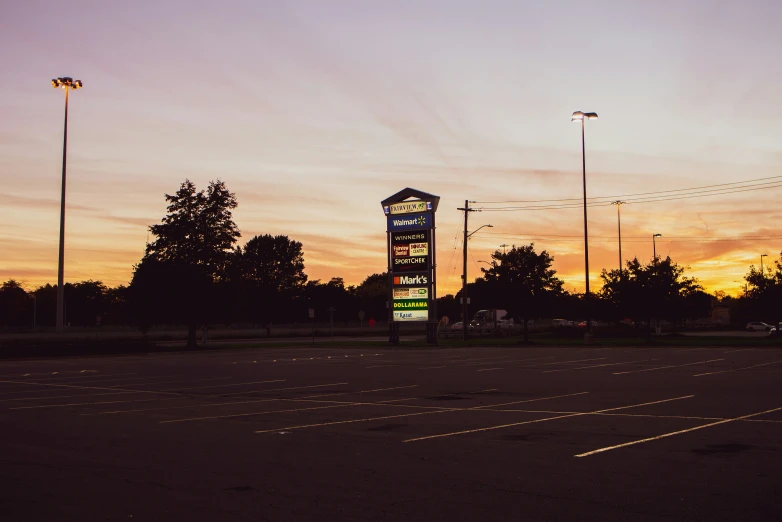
column 15, row 305
column 523, row 282
column 270, row 274
column 86, row 302
column 334, row 294
column 656, row 290
column 764, row 293
column 372, row 296
column 193, row 244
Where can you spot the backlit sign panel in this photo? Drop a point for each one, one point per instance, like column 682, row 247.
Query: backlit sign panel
column 411, row 293
column 411, row 315
column 422, row 221
column 408, row 207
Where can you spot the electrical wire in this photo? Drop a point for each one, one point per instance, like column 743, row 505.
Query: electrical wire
column 704, row 187
column 626, row 200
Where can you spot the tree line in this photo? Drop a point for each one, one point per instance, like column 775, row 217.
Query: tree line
column 194, row 273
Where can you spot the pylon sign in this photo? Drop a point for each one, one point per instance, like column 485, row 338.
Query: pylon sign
column 410, row 241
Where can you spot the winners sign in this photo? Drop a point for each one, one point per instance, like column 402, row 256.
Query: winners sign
column 410, row 230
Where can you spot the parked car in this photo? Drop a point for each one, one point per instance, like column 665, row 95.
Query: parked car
column 758, row 327
column 459, row 326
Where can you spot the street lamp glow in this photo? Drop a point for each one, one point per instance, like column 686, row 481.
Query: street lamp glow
column 66, row 83
column 581, row 116
column 654, row 244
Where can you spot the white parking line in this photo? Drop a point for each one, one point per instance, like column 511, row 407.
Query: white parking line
column 488, row 428
column 666, row 367
column 489, row 369
column 565, row 362
column 737, row 369
column 598, row 365
column 351, row 421
column 664, row 435
column 252, row 401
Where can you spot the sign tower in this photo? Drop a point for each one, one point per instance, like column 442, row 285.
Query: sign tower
column 412, row 290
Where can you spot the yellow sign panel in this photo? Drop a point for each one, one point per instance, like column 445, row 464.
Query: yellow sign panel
column 407, row 207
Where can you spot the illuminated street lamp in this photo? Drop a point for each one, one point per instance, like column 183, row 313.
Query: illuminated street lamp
column 582, row 117
column 66, row 84
column 654, row 244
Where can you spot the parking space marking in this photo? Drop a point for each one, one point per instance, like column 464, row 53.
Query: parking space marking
column 44, row 373
column 252, row 401
column 565, row 362
column 39, row 406
column 223, row 385
column 598, row 365
column 380, row 366
column 671, row 434
column 332, row 404
column 666, row 367
column 122, row 391
column 86, row 378
column 431, row 367
column 738, row 369
column 102, row 388
column 350, row 421
column 44, row 397
column 740, row 350
column 489, row 369
column 489, row 428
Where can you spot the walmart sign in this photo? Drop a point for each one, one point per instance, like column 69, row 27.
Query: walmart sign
column 420, row 221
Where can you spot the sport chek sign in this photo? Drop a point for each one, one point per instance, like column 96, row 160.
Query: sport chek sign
column 410, row 251
column 410, row 231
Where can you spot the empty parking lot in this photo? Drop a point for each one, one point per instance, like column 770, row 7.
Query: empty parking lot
column 540, row 433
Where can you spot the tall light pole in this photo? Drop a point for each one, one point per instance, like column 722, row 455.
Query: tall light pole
column 66, row 84
column 618, row 204
column 654, row 245
column 761, row 263
column 582, row 117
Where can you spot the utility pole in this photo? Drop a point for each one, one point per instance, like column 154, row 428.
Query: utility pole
column 503, row 247
column 618, row 204
column 465, row 320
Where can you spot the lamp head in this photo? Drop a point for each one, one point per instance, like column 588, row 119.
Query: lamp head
column 581, row 116
column 657, row 235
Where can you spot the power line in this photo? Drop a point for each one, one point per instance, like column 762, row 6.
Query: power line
column 629, row 200
column 704, row 187
column 667, row 237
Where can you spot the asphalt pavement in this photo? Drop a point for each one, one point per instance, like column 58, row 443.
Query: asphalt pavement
column 358, row 434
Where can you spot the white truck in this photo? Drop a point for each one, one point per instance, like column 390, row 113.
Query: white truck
column 492, row 319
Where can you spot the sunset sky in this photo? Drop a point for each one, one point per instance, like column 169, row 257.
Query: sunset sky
column 314, row 111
